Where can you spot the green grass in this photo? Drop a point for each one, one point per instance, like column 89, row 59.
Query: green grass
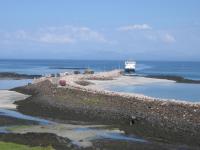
column 13, row 146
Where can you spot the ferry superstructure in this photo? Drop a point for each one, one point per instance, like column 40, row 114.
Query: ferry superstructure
column 129, row 66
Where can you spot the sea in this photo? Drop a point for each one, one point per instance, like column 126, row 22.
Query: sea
column 177, row 91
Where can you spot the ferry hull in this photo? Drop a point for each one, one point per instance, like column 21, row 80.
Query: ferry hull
column 129, row 70
column 129, row 66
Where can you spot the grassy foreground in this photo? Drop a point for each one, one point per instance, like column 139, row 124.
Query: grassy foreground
column 13, row 146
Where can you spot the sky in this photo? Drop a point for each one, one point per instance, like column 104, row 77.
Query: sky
column 100, row 29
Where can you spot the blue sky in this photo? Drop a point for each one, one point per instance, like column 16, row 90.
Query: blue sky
column 104, row 29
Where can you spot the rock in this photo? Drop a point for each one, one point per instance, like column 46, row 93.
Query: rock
column 77, row 72
column 132, row 120
column 58, row 75
column 88, row 71
column 52, row 75
column 13, row 75
column 83, row 83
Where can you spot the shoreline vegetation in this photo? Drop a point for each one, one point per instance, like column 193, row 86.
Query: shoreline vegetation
column 9, row 146
column 33, row 141
column 156, row 120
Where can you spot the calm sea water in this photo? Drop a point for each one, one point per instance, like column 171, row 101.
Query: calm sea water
column 177, row 91
column 186, row 69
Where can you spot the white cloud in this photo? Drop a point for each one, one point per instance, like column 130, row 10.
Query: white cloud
column 135, row 27
column 21, row 34
column 69, row 34
column 57, row 35
column 168, row 38
column 147, row 34
column 55, row 39
column 86, row 34
column 159, row 36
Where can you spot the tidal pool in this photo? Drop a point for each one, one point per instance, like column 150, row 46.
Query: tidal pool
column 177, row 91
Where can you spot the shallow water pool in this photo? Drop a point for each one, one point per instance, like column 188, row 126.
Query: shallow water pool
column 178, row 91
column 8, row 84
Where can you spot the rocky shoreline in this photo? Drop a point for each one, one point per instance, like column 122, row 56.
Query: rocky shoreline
column 178, row 79
column 16, row 76
column 162, row 121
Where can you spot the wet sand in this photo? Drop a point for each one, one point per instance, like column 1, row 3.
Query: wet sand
column 7, row 98
column 124, row 81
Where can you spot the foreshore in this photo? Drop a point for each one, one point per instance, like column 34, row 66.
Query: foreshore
column 166, row 121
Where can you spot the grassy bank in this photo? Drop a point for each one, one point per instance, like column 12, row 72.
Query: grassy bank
column 13, row 146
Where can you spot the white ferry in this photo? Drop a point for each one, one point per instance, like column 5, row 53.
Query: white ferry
column 129, row 66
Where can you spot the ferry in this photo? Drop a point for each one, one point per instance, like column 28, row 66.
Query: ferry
column 129, row 66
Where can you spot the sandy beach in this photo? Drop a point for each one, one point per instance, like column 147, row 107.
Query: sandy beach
column 7, row 98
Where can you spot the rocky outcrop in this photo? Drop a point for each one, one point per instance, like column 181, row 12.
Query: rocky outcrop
column 166, row 120
column 16, row 76
column 178, row 79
